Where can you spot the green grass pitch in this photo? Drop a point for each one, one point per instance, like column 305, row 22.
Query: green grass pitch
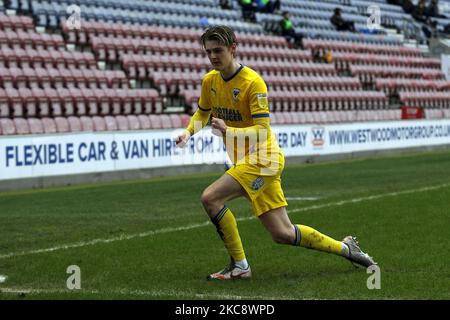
column 151, row 239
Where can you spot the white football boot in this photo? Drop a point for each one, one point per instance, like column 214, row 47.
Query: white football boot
column 231, row 272
column 356, row 255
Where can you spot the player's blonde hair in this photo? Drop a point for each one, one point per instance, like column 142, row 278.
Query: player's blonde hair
column 222, row 34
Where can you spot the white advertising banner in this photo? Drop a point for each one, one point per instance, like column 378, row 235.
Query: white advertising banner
column 445, row 65
column 75, row 153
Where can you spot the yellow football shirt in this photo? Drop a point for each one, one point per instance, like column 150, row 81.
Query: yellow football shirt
column 241, row 101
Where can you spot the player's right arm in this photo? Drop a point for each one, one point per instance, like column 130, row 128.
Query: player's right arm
column 200, row 117
column 198, row 121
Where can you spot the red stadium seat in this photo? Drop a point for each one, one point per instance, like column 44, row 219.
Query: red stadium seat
column 111, row 124
column 433, row 114
column 53, row 98
column 133, row 122
column 7, row 126
column 79, row 100
column 26, row 76
column 165, row 121
column 144, row 122
column 4, row 104
column 67, row 101
column 35, row 126
column 103, row 101
column 15, row 102
column 28, row 103
column 8, row 77
column 74, row 124
column 24, row 22
column 128, row 99
column 99, row 123
column 293, row 118
column 91, row 100
column 155, row 121
column 176, row 121
column 100, row 78
column 21, row 125
column 122, row 123
column 185, row 119
column 87, row 123
column 62, row 124
column 446, row 113
column 74, row 78
column 6, row 23
column 280, row 118
column 49, row 125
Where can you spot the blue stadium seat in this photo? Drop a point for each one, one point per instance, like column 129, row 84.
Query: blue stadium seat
column 41, row 17
column 14, row 4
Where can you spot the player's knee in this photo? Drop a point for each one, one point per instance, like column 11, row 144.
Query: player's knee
column 207, row 198
column 210, row 202
column 282, row 237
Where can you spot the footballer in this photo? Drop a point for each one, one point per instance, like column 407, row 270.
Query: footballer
column 235, row 98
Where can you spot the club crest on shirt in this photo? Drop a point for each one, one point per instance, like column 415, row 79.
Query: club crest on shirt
column 236, row 92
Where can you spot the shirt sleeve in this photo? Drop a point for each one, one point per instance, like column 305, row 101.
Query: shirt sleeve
column 204, row 103
column 259, row 103
column 202, row 114
column 198, row 121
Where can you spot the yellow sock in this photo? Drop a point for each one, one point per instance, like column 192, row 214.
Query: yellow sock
column 226, row 226
column 312, row 239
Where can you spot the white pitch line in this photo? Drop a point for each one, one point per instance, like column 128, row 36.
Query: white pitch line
column 207, row 223
column 384, row 195
column 136, row 293
column 96, row 241
column 302, row 198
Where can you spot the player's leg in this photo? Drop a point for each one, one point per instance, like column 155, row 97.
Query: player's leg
column 220, row 191
column 277, row 222
column 213, row 199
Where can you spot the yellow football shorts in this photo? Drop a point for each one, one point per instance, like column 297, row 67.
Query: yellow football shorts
column 263, row 191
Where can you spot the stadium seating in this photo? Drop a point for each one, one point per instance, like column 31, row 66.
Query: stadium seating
column 368, row 73
column 389, row 85
column 348, row 46
column 46, row 88
column 146, row 122
column 425, row 99
column 343, row 60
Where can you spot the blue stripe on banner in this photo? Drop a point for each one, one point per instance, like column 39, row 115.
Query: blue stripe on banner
column 261, row 115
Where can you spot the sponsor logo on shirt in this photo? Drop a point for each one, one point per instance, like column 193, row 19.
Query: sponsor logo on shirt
column 228, row 114
column 263, row 102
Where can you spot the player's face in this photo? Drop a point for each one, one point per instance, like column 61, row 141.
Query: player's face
column 220, row 56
